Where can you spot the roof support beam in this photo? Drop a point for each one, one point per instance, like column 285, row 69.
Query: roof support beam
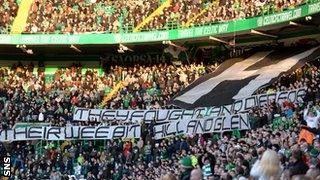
column 262, row 34
column 173, row 44
column 302, row 25
column 75, row 48
column 222, row 41
column 295, row 24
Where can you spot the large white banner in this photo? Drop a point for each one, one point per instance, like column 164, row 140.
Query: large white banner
column 162, row 115
column 168, row 115
column 164, row 130
column 260, row 100
column 202, row 126
column 71, row 132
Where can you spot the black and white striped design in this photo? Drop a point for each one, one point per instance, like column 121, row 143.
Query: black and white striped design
column 240, row 78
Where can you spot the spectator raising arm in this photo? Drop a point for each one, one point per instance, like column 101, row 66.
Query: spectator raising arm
column 310, row 117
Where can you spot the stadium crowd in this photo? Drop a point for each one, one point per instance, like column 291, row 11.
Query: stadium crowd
column 242, row 9
column 8, row 11
column 76, row 16
column 269, row 151
column 27, row 97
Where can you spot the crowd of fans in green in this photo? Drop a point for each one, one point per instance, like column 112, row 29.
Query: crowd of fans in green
column 27, row 96
column 269, row 150
column 98, row 16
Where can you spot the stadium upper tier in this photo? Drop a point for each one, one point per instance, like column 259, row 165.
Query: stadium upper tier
column 8, row 11
column 78, row 16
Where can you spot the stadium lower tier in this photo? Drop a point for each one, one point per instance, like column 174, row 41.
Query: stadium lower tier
column 250, row 117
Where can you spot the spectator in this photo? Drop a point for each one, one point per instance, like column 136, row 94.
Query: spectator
column 206, row 169
column 148, row 152
column 186, row 168
column 196, row 174
column 41, row 117
column 268, row 167
column 297, row 166
column 300, row 177
column 168, row 176
column 313, row 173
column 311, row 119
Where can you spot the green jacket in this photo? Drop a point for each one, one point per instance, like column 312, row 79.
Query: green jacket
column 185, row 175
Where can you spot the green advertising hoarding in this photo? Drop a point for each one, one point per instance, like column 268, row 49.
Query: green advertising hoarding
column 154, row 36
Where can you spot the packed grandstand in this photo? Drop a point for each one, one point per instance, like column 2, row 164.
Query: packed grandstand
column 64, row 16
column 185, row 110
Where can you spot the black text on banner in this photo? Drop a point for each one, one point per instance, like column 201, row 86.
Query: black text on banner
column 71, row 132
column 168, row 115
column 202, row 126
column 163, row 115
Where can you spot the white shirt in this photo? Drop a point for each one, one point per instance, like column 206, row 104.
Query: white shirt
column 183, row 77
column 41, row 117
column 77, row 170
column 34, row 29
column 312, row 122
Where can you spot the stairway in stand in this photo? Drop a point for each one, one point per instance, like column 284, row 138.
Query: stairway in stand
column 155, row 13
column 191, row 20
column 20, row 20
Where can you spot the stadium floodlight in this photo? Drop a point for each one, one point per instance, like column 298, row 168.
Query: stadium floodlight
column 261, row 33
column 120, row 51
column 21, row 46
column 29, row 51
column 123, row 48
column 166, row 42
column 24, row 49
column 308, row 18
